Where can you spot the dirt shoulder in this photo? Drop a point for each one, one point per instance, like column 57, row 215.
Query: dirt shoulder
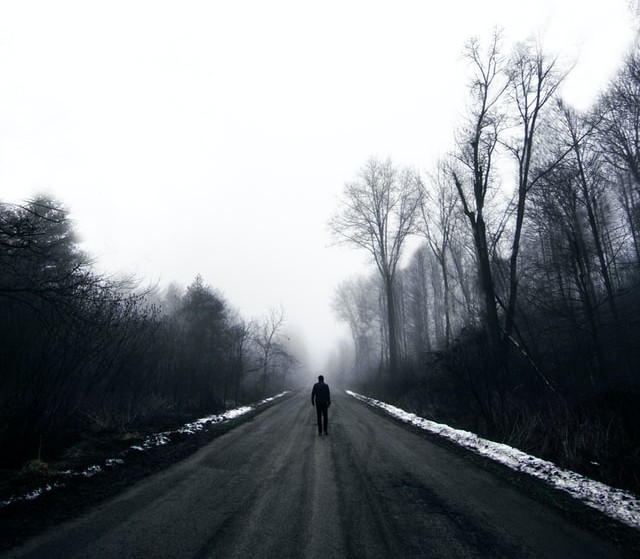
column 65, row 496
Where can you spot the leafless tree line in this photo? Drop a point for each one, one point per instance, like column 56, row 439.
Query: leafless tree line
column 523, row 295
column 81, row 352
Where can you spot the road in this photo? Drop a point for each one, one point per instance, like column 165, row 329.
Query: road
column 273, row 488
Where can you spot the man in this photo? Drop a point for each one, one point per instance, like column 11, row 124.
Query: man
column 321, row 399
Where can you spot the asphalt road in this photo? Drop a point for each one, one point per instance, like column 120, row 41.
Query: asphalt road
column 273, row 488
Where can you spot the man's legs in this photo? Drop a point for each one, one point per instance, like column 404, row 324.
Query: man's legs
column 319, row 414
column 325, row 417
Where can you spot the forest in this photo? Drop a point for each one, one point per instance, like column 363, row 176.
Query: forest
column 506, row 296
column 87, row 355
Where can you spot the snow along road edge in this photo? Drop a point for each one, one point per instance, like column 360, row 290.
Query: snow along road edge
column 151, row 441
column 620, row 505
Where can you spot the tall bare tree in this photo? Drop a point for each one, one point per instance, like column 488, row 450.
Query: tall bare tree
column 378, row 213
column 618, row 124
column 508, row 104
column 533, row 79
column 439, row 224
column 477, row 142
column 355, row 303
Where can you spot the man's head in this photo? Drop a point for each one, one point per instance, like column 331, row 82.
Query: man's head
column 321, row 378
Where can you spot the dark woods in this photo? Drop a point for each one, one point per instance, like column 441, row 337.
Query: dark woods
column 81, row 353
column 517, row 316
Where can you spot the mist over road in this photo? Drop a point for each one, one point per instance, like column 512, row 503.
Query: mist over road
column 273, row 488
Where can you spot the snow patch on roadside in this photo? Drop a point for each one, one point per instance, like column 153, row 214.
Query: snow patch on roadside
column 91, row 471
column 200, row 424
column 152, row 441
column 37, row 492
column 620, row 505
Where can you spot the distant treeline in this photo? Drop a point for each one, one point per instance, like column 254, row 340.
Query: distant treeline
column 518, row 317
column 80, row 352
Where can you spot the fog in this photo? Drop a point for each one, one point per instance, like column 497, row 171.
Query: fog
column 215, row 138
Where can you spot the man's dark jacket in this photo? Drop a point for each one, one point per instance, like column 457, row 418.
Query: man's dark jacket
column 320, row 394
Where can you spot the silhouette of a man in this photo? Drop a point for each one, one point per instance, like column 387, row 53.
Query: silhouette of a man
column 321, row 399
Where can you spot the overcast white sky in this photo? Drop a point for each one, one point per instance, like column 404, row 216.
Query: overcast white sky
column 215, row 137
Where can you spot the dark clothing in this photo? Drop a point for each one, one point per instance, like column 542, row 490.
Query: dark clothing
column 321, row 398
column 323, row 417
column 320, row 393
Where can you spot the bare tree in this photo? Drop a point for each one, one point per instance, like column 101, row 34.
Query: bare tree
column 355, row 302
column 238, row 338
column 417, row 304
column 591, row 181
column 620, row 123
column 617, row 117
column 378, row 213
column 533, row 80
column 271, row 349
column 477, row 143
column 508, row 102
column 439, row 224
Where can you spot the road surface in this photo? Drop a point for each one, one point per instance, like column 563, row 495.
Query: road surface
column 273, row 488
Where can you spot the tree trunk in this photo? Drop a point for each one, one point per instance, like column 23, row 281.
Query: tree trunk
column 488, row 287
column 391, row 324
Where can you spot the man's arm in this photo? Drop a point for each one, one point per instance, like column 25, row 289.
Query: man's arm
column 313, row 395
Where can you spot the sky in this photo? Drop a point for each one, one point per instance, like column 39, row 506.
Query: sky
column 215, row 138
